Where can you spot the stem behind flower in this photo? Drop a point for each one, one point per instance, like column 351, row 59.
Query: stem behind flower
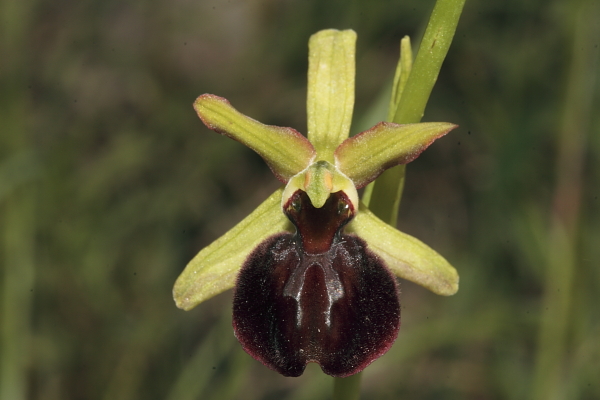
column 411, row 97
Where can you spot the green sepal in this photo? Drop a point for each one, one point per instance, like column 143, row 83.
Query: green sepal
column 285, row 150
column 215, row 268
column 330, row 101
column 365, row 156
column 406, row 256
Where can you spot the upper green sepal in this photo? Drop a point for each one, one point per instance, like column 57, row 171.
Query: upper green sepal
column 365, row 156
column 285, row 150
column 330, row 100
column 215, row 268
column 406, row 256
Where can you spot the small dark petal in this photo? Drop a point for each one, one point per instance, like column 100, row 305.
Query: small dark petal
column 339, row 308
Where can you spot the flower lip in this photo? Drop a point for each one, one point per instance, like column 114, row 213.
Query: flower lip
column 316, row 295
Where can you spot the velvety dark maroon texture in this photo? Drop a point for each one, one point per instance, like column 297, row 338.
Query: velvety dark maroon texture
column 338, row 307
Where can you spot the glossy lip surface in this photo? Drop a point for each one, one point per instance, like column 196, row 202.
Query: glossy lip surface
column 316, row 295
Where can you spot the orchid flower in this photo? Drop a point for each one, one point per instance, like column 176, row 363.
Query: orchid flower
column 313, row 268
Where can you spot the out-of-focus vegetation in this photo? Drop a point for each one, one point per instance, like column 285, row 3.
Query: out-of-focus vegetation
column 109, row 184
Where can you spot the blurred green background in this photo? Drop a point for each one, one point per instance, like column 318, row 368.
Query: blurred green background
column 109, row 185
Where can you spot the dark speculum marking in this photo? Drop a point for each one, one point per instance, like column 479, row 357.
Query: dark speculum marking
column 317, row 295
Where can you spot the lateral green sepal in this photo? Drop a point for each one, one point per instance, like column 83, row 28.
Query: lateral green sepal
column 215, row 268
column 406, row 256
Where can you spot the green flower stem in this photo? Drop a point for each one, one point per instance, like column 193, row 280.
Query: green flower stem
column 347, row 388
column 18, row 194
column 377, row 194
column 392, row 180
column 561, row 271
column 387, row 190
column 411, row 96
column 432, row 52
column 384, row 197
column 18, row 277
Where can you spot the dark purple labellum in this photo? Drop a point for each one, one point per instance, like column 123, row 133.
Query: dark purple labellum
column 316, row 295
